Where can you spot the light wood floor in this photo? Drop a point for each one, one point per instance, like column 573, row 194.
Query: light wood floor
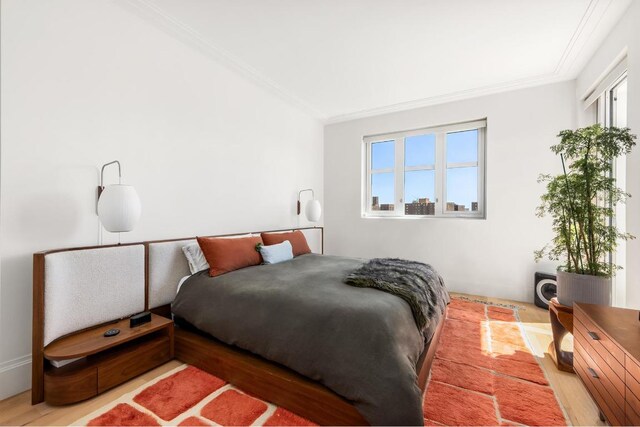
column 581, row 410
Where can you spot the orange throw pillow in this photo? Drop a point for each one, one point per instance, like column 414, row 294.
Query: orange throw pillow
column 296, row 238
column 228, row 254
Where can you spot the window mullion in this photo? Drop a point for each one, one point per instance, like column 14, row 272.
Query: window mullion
column 368, row 199
column 440, row 167
column 462, row 164
column 481, row 172
column 419, row 168
column 399, row 176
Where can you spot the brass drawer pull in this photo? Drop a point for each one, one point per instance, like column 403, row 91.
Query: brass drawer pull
column 593, row 336
column 593, row 373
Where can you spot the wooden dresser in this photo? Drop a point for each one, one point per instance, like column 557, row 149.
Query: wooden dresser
column 607, row 359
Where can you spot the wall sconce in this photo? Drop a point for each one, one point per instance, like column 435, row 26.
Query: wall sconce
column 313, row 210
column 118, row 204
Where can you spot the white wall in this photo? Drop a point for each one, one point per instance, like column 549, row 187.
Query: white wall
column 491, row 257
column 625, row 36
column 84, row 83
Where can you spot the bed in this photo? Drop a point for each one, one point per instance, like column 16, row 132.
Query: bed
column 361, row 343
column 320, row 360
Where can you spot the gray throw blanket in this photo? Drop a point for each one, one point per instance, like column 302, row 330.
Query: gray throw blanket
column 416, row 283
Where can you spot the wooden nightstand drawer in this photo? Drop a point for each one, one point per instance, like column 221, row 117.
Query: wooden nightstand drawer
column 107, row 361
column 131, row 362
column 74, row 382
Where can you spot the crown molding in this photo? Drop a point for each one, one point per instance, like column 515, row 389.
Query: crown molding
column 587, row 25
column 169, row 24
column 564, row 69
column 576, row 36
column 450, row 97
column 591, row 19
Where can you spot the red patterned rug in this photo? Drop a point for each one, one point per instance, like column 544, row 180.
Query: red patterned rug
column 483, row 374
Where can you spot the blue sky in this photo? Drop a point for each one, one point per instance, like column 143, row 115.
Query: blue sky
column 420, row 151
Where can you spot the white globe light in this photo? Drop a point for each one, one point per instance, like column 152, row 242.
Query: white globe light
column 119, row 208
column 313, row 210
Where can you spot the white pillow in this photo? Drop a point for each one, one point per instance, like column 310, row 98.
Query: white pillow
column 195, row 257
column 180, row 283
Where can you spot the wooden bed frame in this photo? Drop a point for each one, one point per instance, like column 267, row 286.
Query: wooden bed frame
column 278, row 384
column 265, row 379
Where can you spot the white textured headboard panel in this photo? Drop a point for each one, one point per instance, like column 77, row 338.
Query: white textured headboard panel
column 314, row 239
column 84, row 288
column 167, row 265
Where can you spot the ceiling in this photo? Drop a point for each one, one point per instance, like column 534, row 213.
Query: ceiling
column 344, row 59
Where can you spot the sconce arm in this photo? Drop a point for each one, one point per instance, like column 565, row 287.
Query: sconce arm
column 302, row 191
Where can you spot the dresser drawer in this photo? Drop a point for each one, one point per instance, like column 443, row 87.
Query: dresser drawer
column 603, row 379
column 600, row 353
column 632, row 400
column 614, row 415
column 633, row 386
column 633, row 369
column 601, row 366
column 598, row 338
column 632, row 417
column 608, row 363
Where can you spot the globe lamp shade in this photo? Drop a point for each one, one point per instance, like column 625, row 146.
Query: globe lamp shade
column 313, row 210
column 119, row 208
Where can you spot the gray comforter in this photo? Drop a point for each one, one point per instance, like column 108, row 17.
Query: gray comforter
column 359, row 342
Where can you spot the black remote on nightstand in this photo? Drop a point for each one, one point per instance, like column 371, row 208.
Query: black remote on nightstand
column 112, row 332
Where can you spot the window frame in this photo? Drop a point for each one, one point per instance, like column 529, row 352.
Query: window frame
column 440, row 167
column 606, row 108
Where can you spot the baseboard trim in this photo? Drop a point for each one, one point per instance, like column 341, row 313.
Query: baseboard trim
column 15, row 376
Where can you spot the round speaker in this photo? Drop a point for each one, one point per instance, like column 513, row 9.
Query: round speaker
column 545, row 290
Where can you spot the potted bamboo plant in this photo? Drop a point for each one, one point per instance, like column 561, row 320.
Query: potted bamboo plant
column 581, row 201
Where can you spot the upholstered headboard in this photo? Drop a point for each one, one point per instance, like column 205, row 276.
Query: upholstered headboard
column 77, row 288
column 82, row 287
column 167, row 265
column 89, row 287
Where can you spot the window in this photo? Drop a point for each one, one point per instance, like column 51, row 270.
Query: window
column 432, row 172
column 611, row 110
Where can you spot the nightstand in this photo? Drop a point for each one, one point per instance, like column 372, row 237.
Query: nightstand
column 105, row 362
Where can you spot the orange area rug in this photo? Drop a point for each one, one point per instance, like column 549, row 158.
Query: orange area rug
column 483, row 374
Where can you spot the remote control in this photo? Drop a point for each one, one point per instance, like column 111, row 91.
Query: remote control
column 112, row 332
